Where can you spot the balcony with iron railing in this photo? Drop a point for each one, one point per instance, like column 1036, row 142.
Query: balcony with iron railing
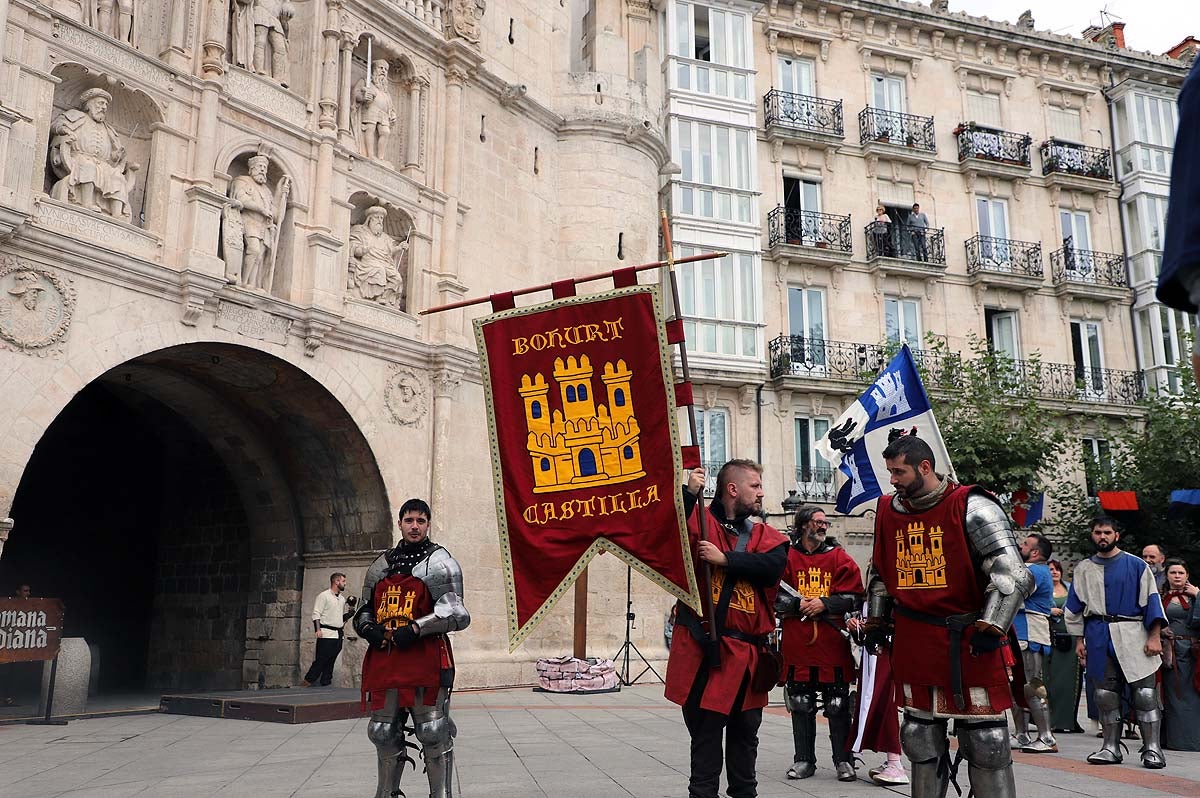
column 798, row 234
column 904, row 249
column 843, row 367
column 815, row 484
column 1084, row 273
column 993, row 152
column 1075, row 165
column 798, row 117
column 902, row 137
column 1004, row 262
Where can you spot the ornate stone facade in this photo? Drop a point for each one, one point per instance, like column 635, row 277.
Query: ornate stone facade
column 233, row 336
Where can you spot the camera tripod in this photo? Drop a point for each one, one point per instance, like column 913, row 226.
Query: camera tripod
column 629, row 647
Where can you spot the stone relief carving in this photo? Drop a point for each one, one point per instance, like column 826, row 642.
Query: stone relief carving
column 36, row 305
column 374, row 111
column 251, row 226
column 377, row 261
column 113, row 17
column 406, row 396
column 463, row 19
column 261, row 27
column 89, row 159
column 252, row 323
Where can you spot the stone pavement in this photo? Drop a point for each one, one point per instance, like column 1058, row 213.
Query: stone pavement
column 511, row 743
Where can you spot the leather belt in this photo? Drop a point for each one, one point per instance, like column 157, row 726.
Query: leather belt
column 754, row 640
column 955, row 625
column 1118, row 618
column 692, row 624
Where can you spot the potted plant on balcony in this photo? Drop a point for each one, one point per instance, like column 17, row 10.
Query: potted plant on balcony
column 883, row 136
column 910, row 140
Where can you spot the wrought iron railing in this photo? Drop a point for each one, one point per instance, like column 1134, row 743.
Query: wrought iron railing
column 1004, row 255
column 711, row 469
column 803, row 112
column 902, row 130
column 989, row 144
column 892, row 240
column 815, row 485
column 1076, row 159
column 844, row 362
column 1070, row 265
column 809, row 229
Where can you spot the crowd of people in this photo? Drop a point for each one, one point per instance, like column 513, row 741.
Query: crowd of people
column 956, row 619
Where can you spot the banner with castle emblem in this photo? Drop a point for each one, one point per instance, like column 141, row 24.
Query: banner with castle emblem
column 585, row 446
column 896, row 403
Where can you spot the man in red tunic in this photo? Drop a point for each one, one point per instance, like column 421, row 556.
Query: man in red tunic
column 821, row 584
column 713, row 682
column 412, row 596
column 947, row 566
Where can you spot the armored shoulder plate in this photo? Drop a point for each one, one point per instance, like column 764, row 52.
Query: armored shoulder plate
column 987, row 527
column 443, row 577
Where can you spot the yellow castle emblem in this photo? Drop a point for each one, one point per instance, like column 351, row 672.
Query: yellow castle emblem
column 584, row 444
column 395, row 607
column 920, row 561
column 742, row 597
column 813, row 584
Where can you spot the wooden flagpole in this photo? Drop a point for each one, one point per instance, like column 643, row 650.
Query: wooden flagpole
column 709, row 609
column 591, row 278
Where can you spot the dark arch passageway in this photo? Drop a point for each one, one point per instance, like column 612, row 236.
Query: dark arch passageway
column 171, row 504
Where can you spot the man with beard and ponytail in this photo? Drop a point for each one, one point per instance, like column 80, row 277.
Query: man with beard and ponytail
column 710, row 672
column 412, row 597
column 947, row 573
column 1115, row 611
column 821, row 584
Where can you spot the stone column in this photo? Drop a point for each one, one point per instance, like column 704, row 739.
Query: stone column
column 344, row 99
column 445, row 394
column 176, row 52
column 329, row 69
column 3, row 41
column 456, row 76
column 412, row 144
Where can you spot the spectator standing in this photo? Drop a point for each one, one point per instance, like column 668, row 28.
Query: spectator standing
column 331, row 610
column 1155, row 555
column 1181, row 691
column 918, row 224
column 1179, row 277
column 876, row 725
column 882, row 232
column 1062, row 666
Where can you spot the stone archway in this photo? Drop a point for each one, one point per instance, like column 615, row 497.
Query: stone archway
column 171, row 504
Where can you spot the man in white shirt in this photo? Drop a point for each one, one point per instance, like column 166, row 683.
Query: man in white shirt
column 330, row 612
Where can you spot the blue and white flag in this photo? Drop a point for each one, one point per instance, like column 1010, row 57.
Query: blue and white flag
column 855, row 443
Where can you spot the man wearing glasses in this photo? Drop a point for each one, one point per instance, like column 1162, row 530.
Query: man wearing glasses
column 821, row 584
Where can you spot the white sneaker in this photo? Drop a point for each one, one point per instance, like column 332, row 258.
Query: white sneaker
column 879, row 769
column 891, row 773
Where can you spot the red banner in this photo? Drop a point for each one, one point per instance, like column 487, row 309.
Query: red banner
column 585, row 446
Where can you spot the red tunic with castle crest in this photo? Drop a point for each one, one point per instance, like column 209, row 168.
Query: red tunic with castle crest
column 751, row 611
column 398, row 600
column 815, row 643
column 925, row 561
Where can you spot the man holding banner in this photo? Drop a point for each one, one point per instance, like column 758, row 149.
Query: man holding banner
column 946, row 565
column 715, row 683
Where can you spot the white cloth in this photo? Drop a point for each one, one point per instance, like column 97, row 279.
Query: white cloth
column 1039, row 627
column 329, row 610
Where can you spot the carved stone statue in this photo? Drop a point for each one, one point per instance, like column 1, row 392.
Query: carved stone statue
column 89, row 160
column 375, row 261
column 252, row 225
column 257, row 26
column 1025, row 21
column 464, row 19
column 103, row 19
column 375, row 111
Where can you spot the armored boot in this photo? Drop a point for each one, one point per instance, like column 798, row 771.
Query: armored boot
column 804, row 734
column 388, row 738
column 989, row 759
column 837, row 711
column 924, row 742
column 1109, row 704
column 1039, row 710
column 1149, row 716
column 439, row 765
column 1021, row 724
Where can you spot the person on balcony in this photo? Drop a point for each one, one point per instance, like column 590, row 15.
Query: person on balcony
column 918, row 224
column 882, row 232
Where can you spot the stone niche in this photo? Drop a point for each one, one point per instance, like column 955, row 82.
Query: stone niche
column 408, row 93
column 145, row 24
column 379, row 255
column 131, row 116
column 302, row 56
column 234, row 223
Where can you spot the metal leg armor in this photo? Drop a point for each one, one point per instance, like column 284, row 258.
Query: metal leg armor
column 989, row 759
column 927, row 748
column 1109, row 703
column 837, row 712
column 802, row 703
column 1039, row 706
column 436, row 731
column 386, row 731
column 1149, row 717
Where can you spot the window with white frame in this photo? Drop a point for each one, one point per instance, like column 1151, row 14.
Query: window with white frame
column 1146, row 220
column 711, row 38
column 1075, row 227
column 718, row 158
column 797, row 76
column 1097, row 462
column 984, row 108
column 712, row 436
column 1162, row 343
column 719, row 300
column 902, row 321
column 995, row 250
column 887, row 93
column 1065, row 123
column 1155, row 119
column 1088, row 356
column 1003, row 332
column 810, row 465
